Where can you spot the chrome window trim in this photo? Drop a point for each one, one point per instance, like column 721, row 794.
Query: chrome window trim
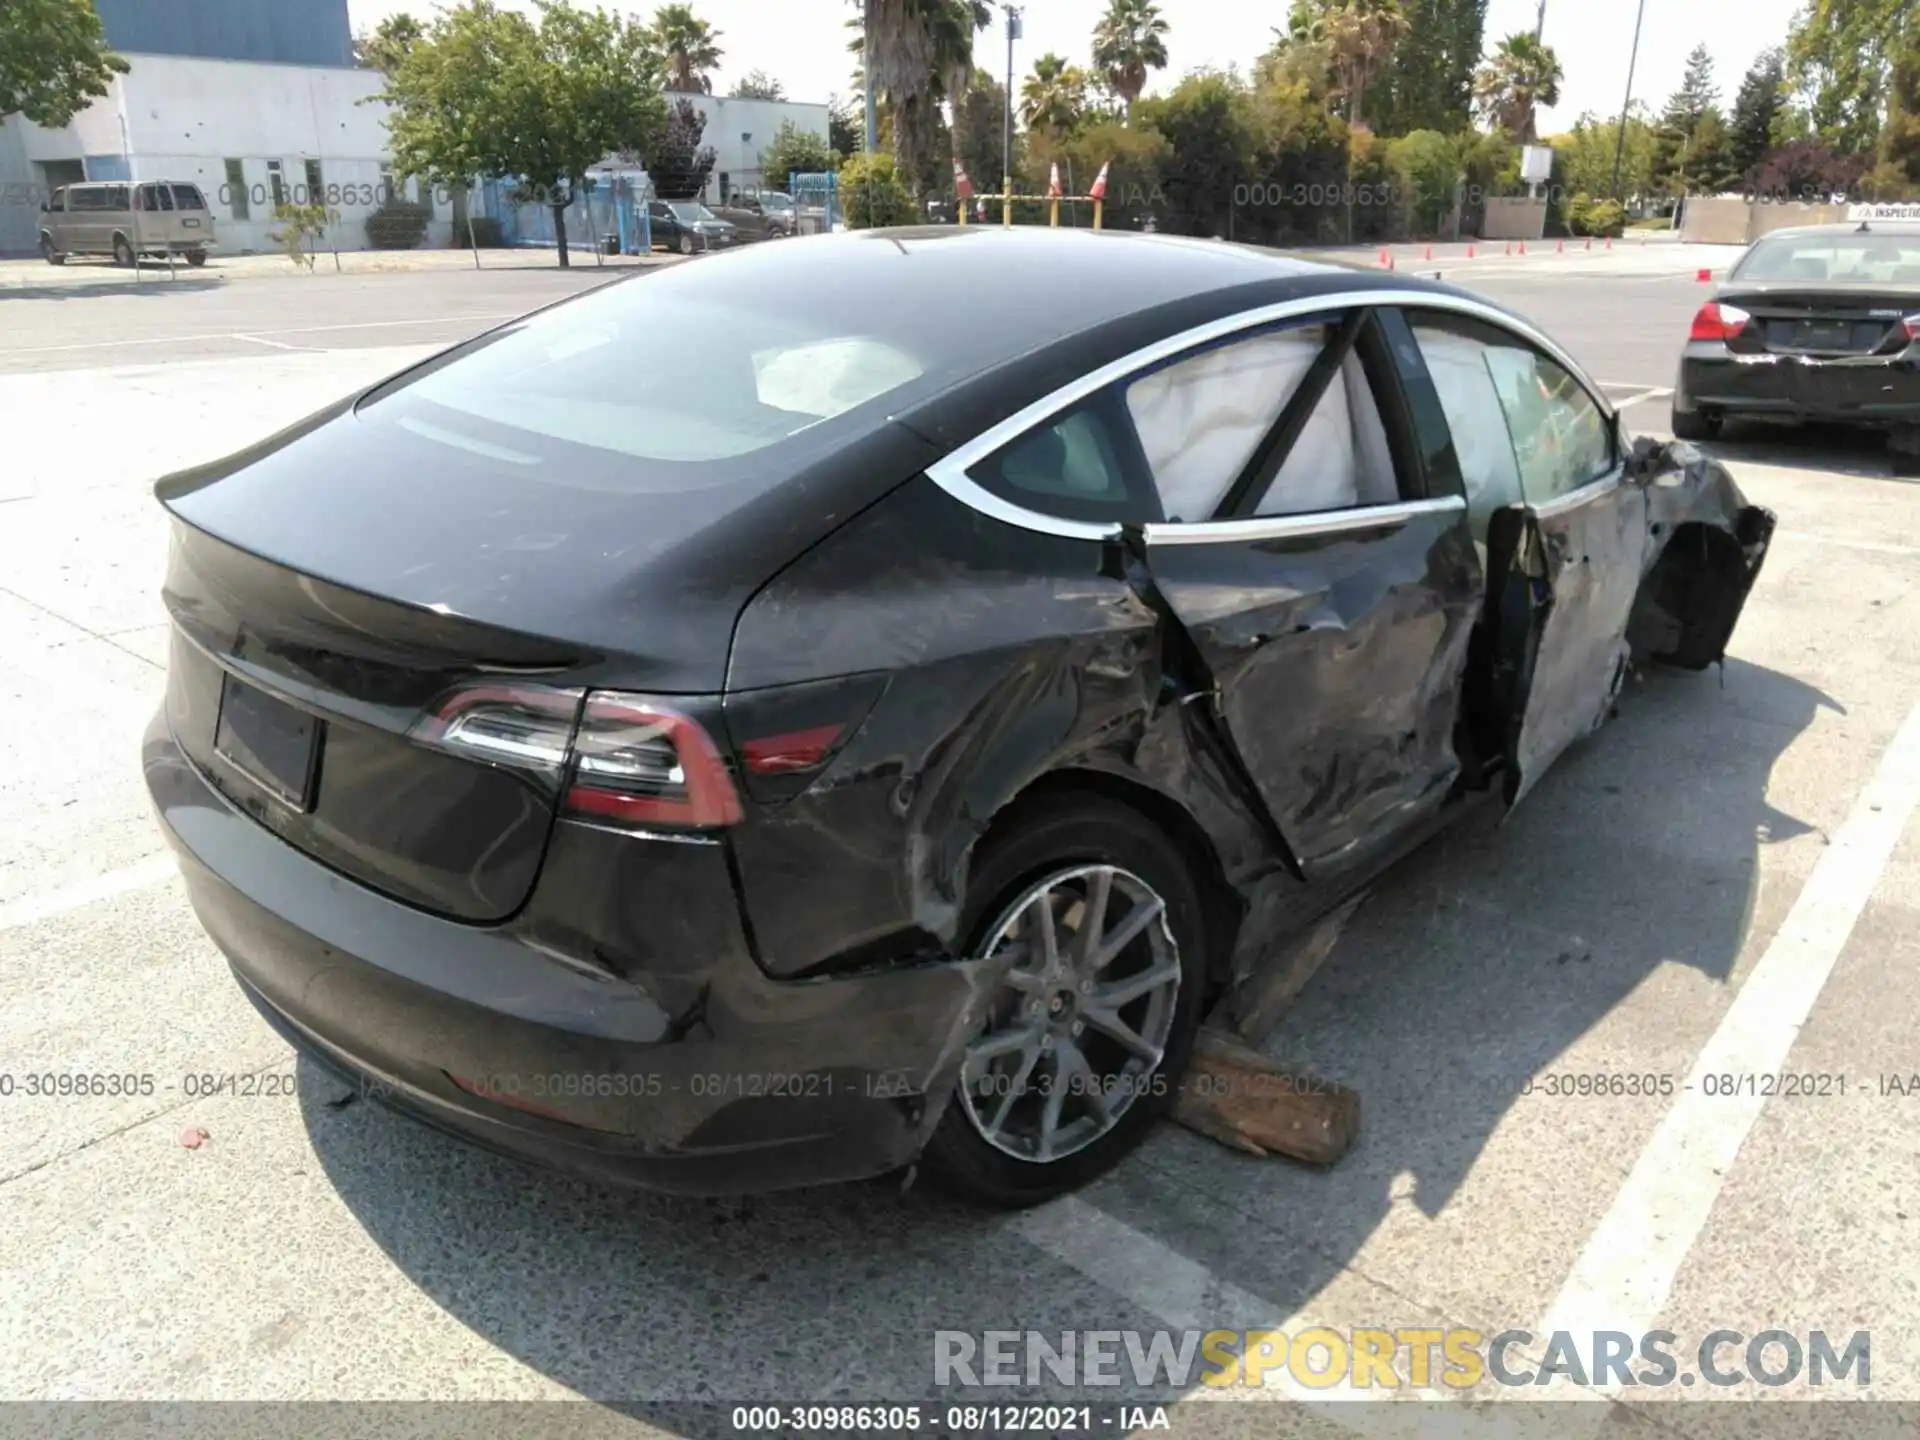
column 1574, row 499
column 1324, row 522
column 950, row 471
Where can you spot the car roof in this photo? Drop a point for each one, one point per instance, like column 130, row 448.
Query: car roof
column 1851, row 227
column 1034, row 284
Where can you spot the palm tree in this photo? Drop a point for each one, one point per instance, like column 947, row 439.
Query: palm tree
column 690, row 45
column 1359, row 36
column 922, row 55
column 1054, row 97
column 1130, row 40
column 1522, row 76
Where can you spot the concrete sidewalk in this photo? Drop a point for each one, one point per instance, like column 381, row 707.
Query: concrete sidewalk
column 36, row 274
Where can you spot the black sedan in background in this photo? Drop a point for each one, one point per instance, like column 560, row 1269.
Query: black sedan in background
column 689, row 227
column 880, row 736
column 1818, row 324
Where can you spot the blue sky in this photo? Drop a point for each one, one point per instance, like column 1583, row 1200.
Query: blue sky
column 801, row 43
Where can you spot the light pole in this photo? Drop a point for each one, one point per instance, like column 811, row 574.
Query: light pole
column 1006, row 132
column 1620, row 142
column 1540, row 24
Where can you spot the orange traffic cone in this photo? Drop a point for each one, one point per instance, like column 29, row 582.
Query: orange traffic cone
column 1386, row 258
column 1704, row 276
column 1523, row 247
column 1469, row 252
column 1609, row 242
column 1559, row 247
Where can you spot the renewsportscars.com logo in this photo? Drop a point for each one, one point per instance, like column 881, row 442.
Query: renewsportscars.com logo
column 1370, row 1359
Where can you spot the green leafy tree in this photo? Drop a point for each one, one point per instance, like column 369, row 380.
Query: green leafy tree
column 54, row 60
column 758, row 85
column 493, row 92
column 846, row 126
column 1208, row 124
column 1840, row 57
column 1898, row 174
column 1521, row 78
column 679, row 165
column 691, row 47
column 1584, row 156
column 1359, row 37
column 1054, row 96
column 1677, row 165
column 922, row 58
column 1429, row 82
column 389, row 43
column 872, row 196
column 1756, row 110
column 1427, row 165
column 1130, row 42
column 794, row 151
column 978, row 134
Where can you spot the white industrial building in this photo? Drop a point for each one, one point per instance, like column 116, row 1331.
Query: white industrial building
column 257, row 101
column 739, row 129
column 248, row 134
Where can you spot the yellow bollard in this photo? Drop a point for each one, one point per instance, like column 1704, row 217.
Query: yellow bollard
column 964, row 207
column 1006, row 206
column 1053, row 212
column 1099, row 209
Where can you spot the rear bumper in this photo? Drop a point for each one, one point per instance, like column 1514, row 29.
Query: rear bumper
column 710, row 1080
column 1878, row 391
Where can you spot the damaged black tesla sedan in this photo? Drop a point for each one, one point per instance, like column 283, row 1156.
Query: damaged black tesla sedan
column 879, row 737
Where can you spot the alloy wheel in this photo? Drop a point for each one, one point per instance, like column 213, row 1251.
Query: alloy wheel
column 1075, row 1035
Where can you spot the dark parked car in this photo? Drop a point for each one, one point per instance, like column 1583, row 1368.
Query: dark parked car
column 768, row 215
column 689, row 227
column 875, row 739
column 1812, row 324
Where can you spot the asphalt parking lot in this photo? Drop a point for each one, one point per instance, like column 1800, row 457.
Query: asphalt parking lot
column 1723, row 881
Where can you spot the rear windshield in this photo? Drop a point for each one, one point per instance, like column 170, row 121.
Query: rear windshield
column 687, row 211
column 1853, row 258
column 673, row 382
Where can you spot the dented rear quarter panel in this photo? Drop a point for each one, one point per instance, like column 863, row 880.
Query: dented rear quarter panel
column 1014, row 656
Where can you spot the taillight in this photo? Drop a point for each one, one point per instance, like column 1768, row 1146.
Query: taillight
column 522, row 726
column 623, row 758
column 641, row 762
column 1912, row 326
column 1718, row 322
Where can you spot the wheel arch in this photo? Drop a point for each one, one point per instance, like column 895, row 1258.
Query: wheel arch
column 1223, row 907
column 1690, row 597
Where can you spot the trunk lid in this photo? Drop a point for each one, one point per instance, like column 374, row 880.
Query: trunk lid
column 1828, row 321
column 274, row 673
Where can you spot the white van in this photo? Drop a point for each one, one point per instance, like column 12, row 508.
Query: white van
column 155, row 217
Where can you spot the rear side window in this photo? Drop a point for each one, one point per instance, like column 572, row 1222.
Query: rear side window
column 1200, row 418
column 1341, row 460
column 1074, row 466
column 188, row 197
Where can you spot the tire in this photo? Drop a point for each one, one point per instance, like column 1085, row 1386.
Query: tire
column 196, row 258
column 1070, row 840
column 48, row 253
column 686, row 244
column 122, row 252
column 1692, row 425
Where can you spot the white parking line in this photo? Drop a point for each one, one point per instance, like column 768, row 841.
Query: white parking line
column 1624, row 1275
column 139, row 876
column 1183, row 1294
